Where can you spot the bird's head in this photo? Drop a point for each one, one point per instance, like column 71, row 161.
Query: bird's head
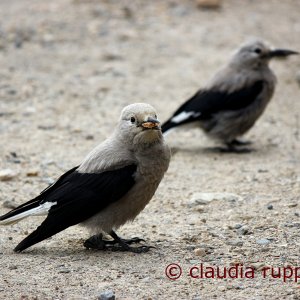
column 256, row 54
column 139, row 124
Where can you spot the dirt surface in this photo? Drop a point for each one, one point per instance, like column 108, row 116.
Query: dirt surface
column 67, row 70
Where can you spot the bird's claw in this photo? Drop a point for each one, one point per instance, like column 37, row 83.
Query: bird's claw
column 141, row 249
column 134, row 240
column 96, row 242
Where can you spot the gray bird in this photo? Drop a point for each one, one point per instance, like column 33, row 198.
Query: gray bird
column 235, row 97
column 110, row 187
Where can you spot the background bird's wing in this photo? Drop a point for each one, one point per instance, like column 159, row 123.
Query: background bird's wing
column 206, row 103
column 78, row 197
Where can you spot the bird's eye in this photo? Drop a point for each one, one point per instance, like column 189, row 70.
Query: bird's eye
column 257, row 50
column 132, row 119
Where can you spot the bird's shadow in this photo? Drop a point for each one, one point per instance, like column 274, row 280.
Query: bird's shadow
column 223, row 150
column 212, row 150
column 77, row 250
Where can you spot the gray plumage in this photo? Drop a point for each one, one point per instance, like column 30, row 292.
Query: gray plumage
column 146, row 149
column 236, row 96
column 110, row 187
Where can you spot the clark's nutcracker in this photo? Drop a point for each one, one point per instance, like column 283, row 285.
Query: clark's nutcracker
column 235, row 97
column 110, row 187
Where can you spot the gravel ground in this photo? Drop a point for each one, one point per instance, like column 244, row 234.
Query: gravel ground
column 67, row 70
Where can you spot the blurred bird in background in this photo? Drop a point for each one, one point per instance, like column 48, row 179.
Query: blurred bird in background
column 235, row 97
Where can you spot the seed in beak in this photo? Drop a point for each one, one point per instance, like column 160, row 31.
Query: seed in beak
column 149, row 124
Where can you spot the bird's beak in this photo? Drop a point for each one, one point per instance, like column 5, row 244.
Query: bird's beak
column 280, row 53
column 151, row 123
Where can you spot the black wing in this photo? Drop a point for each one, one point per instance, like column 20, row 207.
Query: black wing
column 79, row 196
column 206, row 103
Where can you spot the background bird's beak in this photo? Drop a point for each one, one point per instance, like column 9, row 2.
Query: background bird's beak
column 151, row 123
column 282, row 53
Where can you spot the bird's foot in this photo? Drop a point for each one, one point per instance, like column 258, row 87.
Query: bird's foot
column 117, row 244
column 123, row 245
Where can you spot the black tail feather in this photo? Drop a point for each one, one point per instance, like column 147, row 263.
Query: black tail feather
column 30, row 240
column 167, row 126
column 44, row 231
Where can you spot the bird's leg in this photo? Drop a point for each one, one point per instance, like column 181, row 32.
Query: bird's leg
column 123, row 244
column 95, row 242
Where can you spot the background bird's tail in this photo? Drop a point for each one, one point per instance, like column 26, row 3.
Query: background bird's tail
column 167, row 126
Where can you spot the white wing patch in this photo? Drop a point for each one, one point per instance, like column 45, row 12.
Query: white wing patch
column 184, row 116
column 37, row 211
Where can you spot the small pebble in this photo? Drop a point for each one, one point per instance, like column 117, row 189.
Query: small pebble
column 89, row 137
column 211, row 4
column 13, row 157
column 258, row 266
column 64, row 270
column 7, row 174
column 107, row 295
column 200, row 252
column 236, row 243
column 11, row 92
column 28, row 111
column 263, row 242
column 270, row 206
column 298, row 77
column 207, row 198
column 237, row 226
column 200, row 209
column 244, row 230
column 190, row 247
column 112, row 56
column 46, row 127
column 9, row 204
column 32, row 173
